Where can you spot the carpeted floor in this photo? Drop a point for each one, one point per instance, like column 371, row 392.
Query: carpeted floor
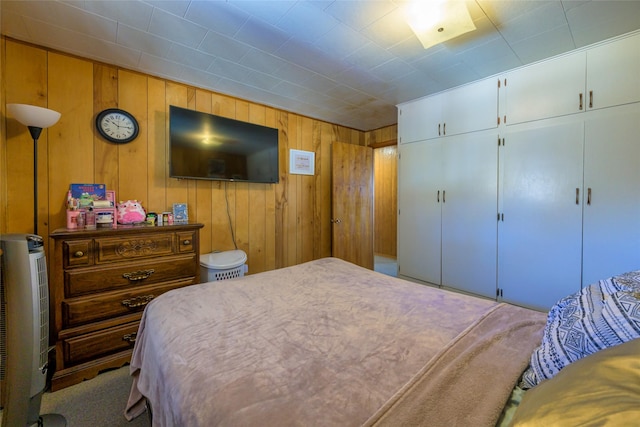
column 386, row 265
column 98, row 402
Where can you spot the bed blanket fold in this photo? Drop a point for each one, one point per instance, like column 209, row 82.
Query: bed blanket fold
column 469, row 381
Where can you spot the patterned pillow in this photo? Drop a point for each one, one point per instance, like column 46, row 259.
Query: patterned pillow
column 602, row 315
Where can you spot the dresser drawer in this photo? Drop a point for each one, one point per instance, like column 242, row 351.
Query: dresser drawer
column 186, row 240
column 119, row 249
column 85, row 281
column 82, row 310
column 99, row 344
column 77, row 253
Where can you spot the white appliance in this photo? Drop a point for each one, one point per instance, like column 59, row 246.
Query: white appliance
column 25, row 324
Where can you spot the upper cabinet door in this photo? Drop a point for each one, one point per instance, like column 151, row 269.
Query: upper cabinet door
column 546, row 89
column 470, row 108
column 418, row 120
column 613, row 73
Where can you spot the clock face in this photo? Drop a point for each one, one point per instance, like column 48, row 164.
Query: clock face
column 117, row 125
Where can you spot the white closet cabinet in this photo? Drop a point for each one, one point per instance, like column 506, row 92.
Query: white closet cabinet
column 546, row 89
column 465, row 109
column 599, row 77
column 470, row 108
column 469, row 223
column 412, row 120
column 419, row 210
column 540, row 231
column 611, row 228
column 613, row 73
column 447, row 197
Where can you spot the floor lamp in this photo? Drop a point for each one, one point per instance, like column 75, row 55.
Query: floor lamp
column 36, row 119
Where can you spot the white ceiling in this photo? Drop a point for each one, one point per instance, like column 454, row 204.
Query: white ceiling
column 347, row 62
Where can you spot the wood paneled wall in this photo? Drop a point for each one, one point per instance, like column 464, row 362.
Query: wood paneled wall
column 277, row 225
column 385, row 165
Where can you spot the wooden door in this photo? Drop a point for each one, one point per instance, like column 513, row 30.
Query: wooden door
column 352, row 203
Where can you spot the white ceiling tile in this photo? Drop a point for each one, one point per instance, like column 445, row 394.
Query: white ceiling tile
column 223, row 46
column 598, row 20
column 132, row 13
column 229, row 69
column 83, row 22
column 261, row 35
column 262, row 61
column 389, row 30
column 359, row 14
column 177, row 29
column 142, row 41
column 341, row 41
column 190, row 57
column 174, row 7
column 538, row 47
column 216, row 16
column 548, row 17
column 303, row 22
column 267, row 11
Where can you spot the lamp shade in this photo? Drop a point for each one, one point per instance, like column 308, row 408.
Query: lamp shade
column 30, row 115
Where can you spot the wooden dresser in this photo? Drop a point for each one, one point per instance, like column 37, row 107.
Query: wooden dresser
column 99, row 283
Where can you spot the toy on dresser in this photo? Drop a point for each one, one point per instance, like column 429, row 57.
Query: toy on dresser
column 130, row 212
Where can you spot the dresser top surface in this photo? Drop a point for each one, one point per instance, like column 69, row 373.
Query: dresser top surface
column 122, row 229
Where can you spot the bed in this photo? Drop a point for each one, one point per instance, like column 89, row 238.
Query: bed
column 328, row 343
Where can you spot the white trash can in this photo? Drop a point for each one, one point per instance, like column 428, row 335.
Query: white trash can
column 222, row 265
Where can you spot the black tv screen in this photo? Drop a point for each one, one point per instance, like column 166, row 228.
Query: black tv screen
column 206, row 146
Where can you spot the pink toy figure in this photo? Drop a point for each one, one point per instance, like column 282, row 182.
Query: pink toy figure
column 130, row 212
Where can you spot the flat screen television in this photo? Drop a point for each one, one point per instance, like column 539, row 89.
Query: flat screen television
column 206, row 146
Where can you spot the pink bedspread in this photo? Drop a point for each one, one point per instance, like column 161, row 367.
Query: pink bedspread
column 324, row 343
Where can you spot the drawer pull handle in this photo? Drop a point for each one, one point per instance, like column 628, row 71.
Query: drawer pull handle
column 130, row 337
column 138, row 275
column 136, row 302
column 78, row 254
column 186, row 242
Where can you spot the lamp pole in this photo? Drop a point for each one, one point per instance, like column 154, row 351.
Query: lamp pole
column 35, row 134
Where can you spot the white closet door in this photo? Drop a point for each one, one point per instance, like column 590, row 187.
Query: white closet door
column 419, row 230
column 546, row 89
column 418, row 120
column 471, row 107
column 469, row 223
column 539, row 241
column 611, row 238
column 612, row 73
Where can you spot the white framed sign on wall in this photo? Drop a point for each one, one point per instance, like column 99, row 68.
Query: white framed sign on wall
column 301, row 162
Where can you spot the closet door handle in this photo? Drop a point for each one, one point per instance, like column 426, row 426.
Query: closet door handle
column 443, row 193
column 577, row 196
column 590, row 99
column 580, row 106
column 589, row 196
column 444, row 128
column 438, row 196
column 439, row 134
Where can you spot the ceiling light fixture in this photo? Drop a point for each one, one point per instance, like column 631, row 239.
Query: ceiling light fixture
column 436, row 21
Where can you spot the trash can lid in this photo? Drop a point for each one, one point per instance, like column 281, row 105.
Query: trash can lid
column 223, row 260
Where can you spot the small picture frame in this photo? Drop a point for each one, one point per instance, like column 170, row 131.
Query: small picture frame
column 301, row 162
column 180, row 213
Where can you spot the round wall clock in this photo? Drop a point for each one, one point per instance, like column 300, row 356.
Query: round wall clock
column 117, row 125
